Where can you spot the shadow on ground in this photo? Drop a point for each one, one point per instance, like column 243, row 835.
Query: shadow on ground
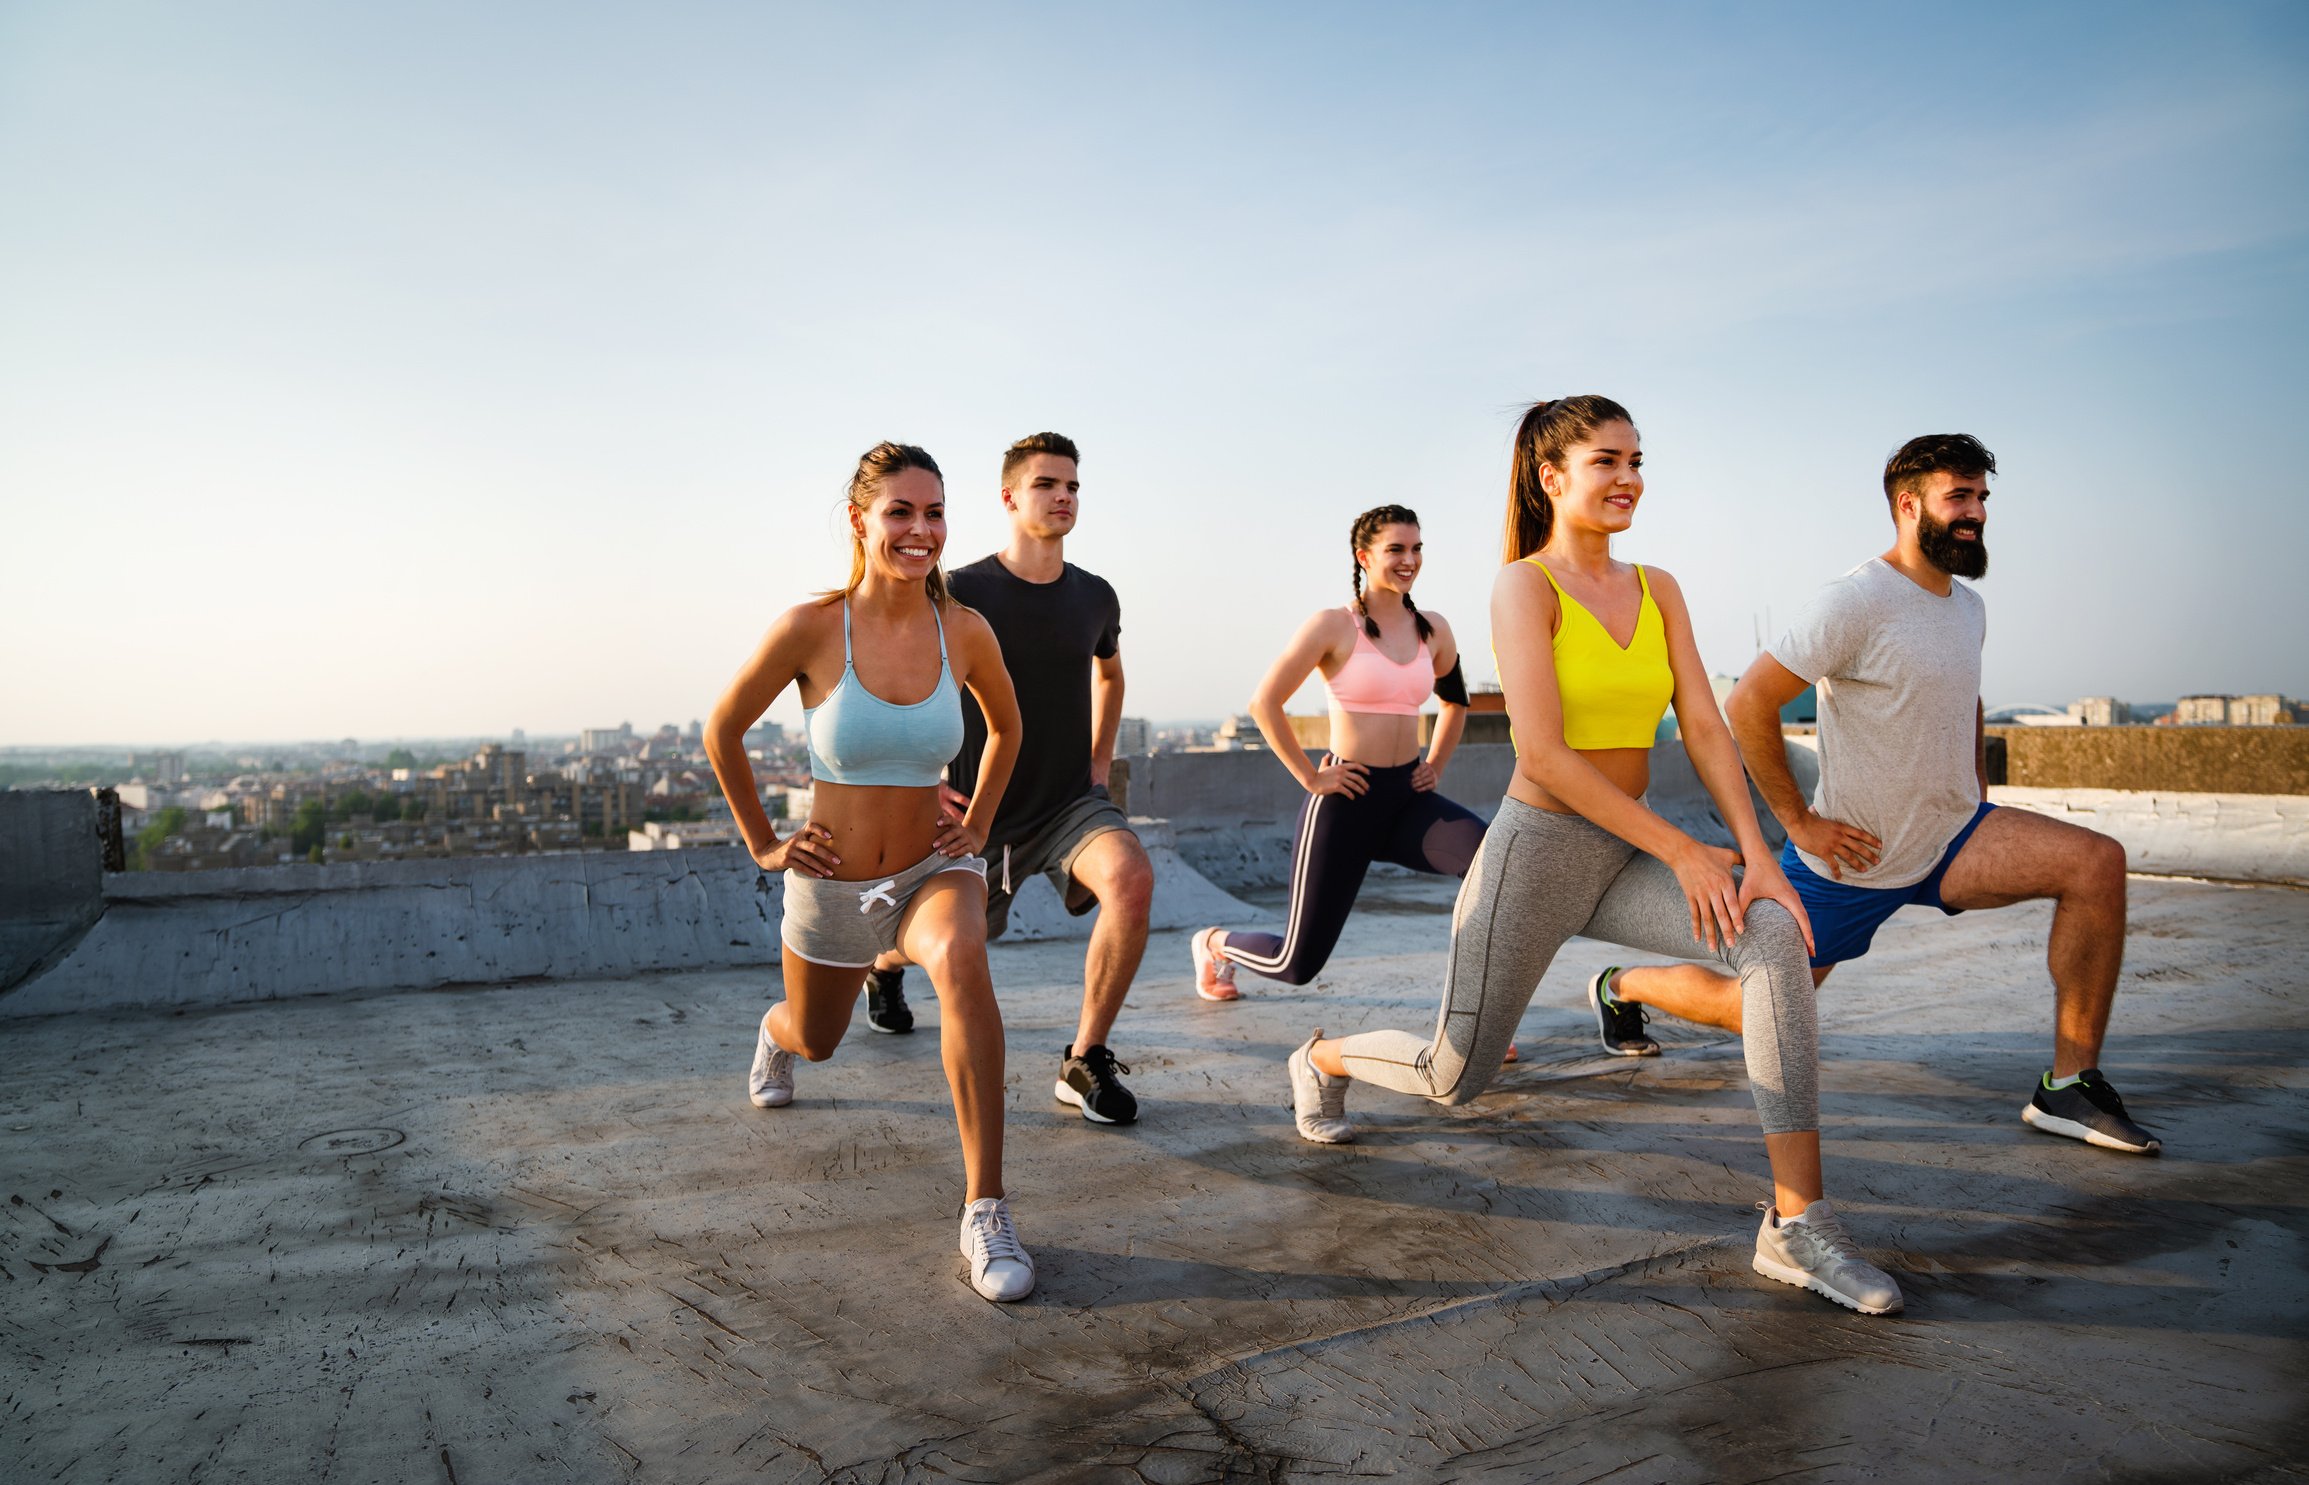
column 536, row 1233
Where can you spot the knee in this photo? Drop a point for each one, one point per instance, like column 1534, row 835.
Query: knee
column 1293, row 974
column 958, row 965
column 2100, row 866
column 1130, row 889
column 1771, row 929
column 817, row 1046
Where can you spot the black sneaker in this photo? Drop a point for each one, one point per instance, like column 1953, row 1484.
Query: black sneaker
column 1620, row 1024
column 886, row 1002
column 1089, row 1083
column 2089, row 1110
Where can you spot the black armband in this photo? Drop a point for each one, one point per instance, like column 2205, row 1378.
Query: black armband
column 1451, row 686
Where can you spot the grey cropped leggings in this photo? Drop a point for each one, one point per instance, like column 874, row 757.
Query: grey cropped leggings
column 1542, row 877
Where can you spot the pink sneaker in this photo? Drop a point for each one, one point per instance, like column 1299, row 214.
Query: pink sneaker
column 1214, row 972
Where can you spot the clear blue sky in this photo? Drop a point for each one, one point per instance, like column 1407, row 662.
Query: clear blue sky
column 432, row 368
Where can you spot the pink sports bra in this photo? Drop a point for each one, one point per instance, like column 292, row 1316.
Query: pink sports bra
column 1370, row 682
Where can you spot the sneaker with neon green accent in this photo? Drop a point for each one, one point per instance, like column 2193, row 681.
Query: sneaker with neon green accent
column 1620, row 1024
column 2089, row 1110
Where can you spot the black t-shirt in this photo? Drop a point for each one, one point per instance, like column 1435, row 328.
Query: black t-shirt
column 1050, row 633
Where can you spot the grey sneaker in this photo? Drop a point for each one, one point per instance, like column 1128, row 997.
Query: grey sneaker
column 999, row 1268
column 771, row 1083
column 1814, row 1252
column 1318, row 1103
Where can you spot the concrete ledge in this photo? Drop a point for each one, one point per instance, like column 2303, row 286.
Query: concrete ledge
column 2228, row 837
column 263, row 933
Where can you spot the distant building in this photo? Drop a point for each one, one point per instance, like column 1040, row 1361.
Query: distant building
column 2202, row 711
column 678, row 835
column 1238, row 733
column 2029, row 714
column 2265, row 711
column 1133, row 737
column 163, row 769
column 2100, row 711
column 605, row 739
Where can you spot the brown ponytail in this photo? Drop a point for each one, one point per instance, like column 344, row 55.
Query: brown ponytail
column 1548, row 431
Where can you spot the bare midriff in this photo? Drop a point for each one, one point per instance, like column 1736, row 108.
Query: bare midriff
column 878, row 829
column 1628, row 768
column 1378, row 739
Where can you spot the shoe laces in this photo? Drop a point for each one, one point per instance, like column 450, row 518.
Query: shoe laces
column 1825, row 1236
column 1102, row 1065
column 992, row 1235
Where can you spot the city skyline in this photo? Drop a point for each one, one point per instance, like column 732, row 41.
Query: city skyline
column 408, row 374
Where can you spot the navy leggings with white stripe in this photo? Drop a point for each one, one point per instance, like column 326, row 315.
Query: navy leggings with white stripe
column 1339, row 837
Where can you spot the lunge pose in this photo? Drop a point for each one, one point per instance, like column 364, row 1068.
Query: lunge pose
column 1591, row 651
column 1060, row 629
column 1373, row 798
column 1902, row 814
column 881, row 664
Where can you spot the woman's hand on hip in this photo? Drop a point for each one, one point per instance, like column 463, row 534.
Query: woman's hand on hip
column 809, row 850
column 1423, row 777
column 1711, row 892
column 1337, row 776
column 961, row 838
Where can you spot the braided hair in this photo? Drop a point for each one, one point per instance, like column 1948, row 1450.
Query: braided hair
column 1367, row 528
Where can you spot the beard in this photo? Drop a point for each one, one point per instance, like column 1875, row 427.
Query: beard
column 1964, row 559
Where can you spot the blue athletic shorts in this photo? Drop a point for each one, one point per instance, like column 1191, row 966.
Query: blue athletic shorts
column 1845, row 918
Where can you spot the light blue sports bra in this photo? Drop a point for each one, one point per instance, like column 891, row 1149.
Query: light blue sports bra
column 855, row 737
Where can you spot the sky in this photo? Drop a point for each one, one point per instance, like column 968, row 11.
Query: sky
column 435, row 369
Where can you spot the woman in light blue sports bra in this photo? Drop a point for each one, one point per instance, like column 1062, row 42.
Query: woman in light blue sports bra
column 875, row 868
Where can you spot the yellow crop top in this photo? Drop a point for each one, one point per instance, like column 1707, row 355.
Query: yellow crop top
column 1612, row 698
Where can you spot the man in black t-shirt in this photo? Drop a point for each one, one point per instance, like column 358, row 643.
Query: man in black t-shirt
column 1060, row 630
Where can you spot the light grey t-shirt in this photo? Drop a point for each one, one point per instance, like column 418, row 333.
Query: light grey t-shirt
column 1898, row 669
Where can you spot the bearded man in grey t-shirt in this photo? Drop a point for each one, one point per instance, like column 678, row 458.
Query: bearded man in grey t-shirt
column 1902, row 814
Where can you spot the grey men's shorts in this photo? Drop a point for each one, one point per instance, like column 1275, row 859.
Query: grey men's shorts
column 1050, row 852
column 847, row 924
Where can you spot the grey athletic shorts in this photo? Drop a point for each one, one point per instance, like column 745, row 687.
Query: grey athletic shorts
column 1050, row 852
column 847, row 924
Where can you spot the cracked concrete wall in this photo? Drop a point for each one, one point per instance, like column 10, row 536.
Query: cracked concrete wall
column 262, row 933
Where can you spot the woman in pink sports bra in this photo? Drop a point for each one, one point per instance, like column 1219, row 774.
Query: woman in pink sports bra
column 1374, row 797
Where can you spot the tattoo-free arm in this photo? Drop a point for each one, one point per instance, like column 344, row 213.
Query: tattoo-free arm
column 1106, row 713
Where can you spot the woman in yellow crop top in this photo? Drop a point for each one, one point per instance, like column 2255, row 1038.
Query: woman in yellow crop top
column 1591, row 651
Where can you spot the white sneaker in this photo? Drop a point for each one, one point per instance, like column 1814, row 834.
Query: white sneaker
column 1000, row 1270
column 1214, row 972
column 771, row 1083
column 1318, row 1103
column 1813, row 1251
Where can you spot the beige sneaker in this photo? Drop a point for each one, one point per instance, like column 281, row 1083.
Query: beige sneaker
column 1318, row 1103
column 770, row 1083
column 1813, row 1251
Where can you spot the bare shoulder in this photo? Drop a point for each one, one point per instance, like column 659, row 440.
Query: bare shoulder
column 1524, row 581
column 1665, row 588
column 967, row 627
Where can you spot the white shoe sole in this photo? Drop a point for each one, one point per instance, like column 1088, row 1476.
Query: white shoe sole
column 1802, row 1280
column 1064, row 1093
column 995, row 1299
column 873, row 1025
column 2036, row 1118
column 776, row 1098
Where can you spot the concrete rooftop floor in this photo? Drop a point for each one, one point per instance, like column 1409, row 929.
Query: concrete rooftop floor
column 536, row 1233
